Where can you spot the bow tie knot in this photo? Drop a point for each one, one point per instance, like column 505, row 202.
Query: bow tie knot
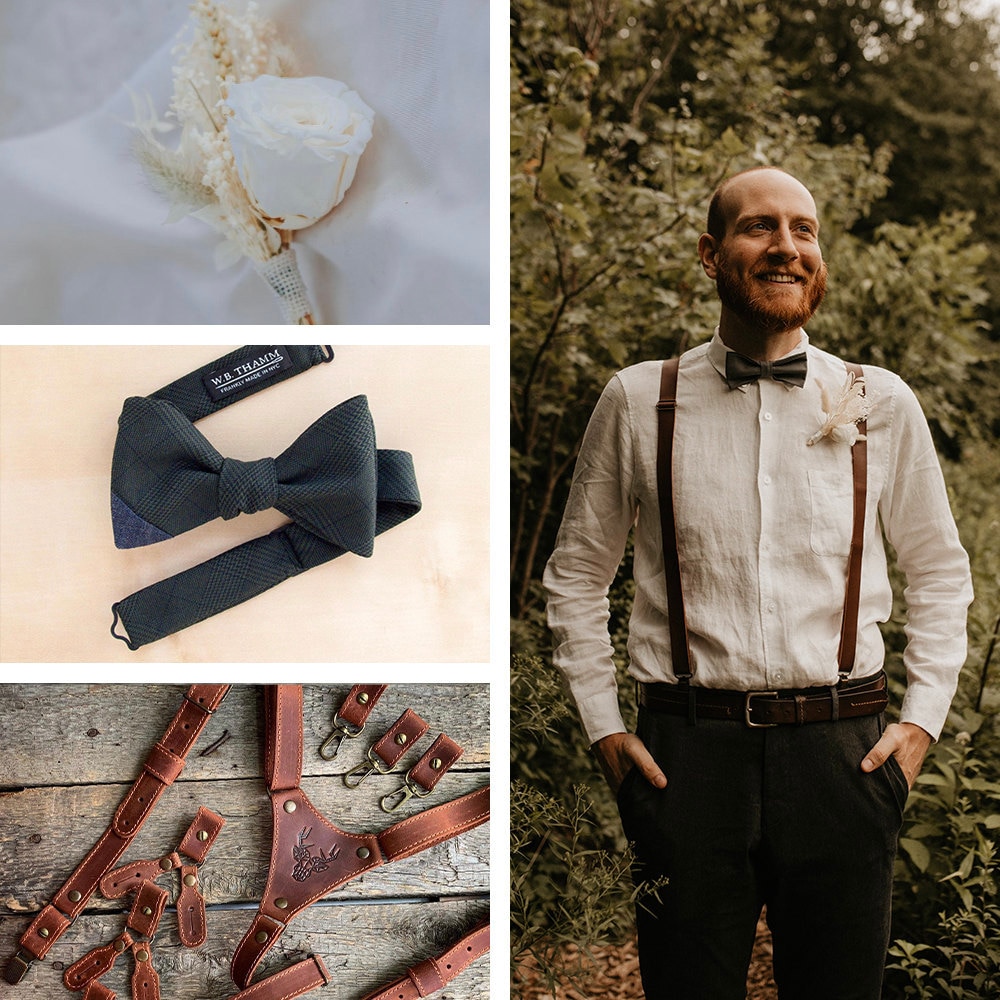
column 246, row 487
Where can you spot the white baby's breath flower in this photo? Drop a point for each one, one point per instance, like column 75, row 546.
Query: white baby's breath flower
column 844, row 411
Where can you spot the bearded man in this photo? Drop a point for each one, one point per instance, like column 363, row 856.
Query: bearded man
column 756, row 474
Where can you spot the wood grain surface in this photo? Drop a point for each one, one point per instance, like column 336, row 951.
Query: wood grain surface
column 68, row 754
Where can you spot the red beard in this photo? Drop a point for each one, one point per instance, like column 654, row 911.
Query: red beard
column 757, row 305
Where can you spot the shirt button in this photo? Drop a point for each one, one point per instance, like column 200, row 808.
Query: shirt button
column 767, row 480
column 771, row 608
column 767, row 416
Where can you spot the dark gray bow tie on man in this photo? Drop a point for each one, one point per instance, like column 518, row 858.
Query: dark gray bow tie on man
column 741, row 370
column 339, row 490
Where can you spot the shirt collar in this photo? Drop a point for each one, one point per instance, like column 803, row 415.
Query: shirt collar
column 717, row 352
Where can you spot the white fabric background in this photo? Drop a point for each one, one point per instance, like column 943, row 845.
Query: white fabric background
column 84, row 239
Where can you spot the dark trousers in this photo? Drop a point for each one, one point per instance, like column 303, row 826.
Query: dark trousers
column 782, row 817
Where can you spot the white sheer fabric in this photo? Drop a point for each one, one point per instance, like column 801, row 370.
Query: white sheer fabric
column 84, row 236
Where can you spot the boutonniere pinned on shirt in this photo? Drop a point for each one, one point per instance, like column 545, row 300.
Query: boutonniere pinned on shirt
column 844, row 412
column 261, row 152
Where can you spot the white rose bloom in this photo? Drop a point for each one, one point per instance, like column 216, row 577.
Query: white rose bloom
column 296, row 141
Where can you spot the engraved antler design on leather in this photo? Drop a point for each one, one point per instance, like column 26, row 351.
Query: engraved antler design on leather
column 305, row 863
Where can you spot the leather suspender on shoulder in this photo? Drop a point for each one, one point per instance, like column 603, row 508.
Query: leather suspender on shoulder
column 666, row 409
column 852, row 594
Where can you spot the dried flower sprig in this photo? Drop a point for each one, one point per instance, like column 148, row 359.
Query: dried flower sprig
column 844, row 412
column 204, row 177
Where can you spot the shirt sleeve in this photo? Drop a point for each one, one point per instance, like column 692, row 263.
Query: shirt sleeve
column 919, row 525
column 599, row 513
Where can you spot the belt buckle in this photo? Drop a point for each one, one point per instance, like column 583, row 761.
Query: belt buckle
column 746, row 709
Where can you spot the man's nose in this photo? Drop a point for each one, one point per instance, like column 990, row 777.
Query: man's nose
column 782, row 244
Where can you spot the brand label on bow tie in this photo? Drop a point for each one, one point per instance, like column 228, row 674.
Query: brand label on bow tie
column 240, row 375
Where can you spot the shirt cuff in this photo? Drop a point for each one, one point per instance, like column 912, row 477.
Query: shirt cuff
column 600, row 716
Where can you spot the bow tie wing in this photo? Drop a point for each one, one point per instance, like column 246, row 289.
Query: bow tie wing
column 164, row 474
column 328, row 479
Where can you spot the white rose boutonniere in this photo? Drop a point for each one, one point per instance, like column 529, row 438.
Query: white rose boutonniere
column 844, row 411
column 296, row 143
column 261, row 152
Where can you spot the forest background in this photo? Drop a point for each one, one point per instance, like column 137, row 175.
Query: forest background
column 625, row 114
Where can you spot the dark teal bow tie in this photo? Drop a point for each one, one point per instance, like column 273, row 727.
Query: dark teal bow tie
column 339, row 490
column 741, row 370
column 166, row 478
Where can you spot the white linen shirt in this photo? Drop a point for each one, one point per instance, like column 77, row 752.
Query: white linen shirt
column 764, row 527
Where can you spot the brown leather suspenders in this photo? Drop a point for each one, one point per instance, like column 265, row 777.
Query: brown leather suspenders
column 162, row 766
column 666, row 409
column 310, row 856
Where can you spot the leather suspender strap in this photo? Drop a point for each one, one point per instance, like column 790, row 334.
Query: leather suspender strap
column 852, row 595
column 162, row 766
column 433, row 974
column 292, row 982
column 666, row 410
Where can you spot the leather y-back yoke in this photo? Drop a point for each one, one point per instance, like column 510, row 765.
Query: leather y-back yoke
column 310, row 856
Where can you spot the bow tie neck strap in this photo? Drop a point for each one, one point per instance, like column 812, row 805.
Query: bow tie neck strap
column 741, row 370
column 250, row 569
column 239, row 374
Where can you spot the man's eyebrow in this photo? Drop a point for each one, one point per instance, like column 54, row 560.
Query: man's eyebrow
column 768, row 217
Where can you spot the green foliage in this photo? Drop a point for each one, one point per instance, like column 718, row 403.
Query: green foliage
column 947, row 909
column 569, row 864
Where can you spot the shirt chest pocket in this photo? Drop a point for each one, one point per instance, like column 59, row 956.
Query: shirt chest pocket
column 831, row 496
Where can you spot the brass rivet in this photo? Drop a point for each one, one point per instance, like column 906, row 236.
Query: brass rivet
column 142, row 956
column 260, row 937
column 436, row 763
column 290, row 806
column 363, row 852
column 44, row 932
column 190, row 880
column 203, row 835
column 363, row 698
column 401, row 738
column 281, row 903
column 147, row 911
column 119, row 946
column 75, row 897
column 166, row 864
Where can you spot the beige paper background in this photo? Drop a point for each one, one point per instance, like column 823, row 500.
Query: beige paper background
column 422, row 596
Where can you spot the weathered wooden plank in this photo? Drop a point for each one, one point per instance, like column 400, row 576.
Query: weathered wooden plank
column 47, row 831
column 364, row 946
column 54, row 734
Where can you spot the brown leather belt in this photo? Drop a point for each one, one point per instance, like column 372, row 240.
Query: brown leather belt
column 759, row 709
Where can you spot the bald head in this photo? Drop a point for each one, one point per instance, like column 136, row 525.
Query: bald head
column 735, row 190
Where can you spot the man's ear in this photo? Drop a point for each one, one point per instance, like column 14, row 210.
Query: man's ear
column 708, row 250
